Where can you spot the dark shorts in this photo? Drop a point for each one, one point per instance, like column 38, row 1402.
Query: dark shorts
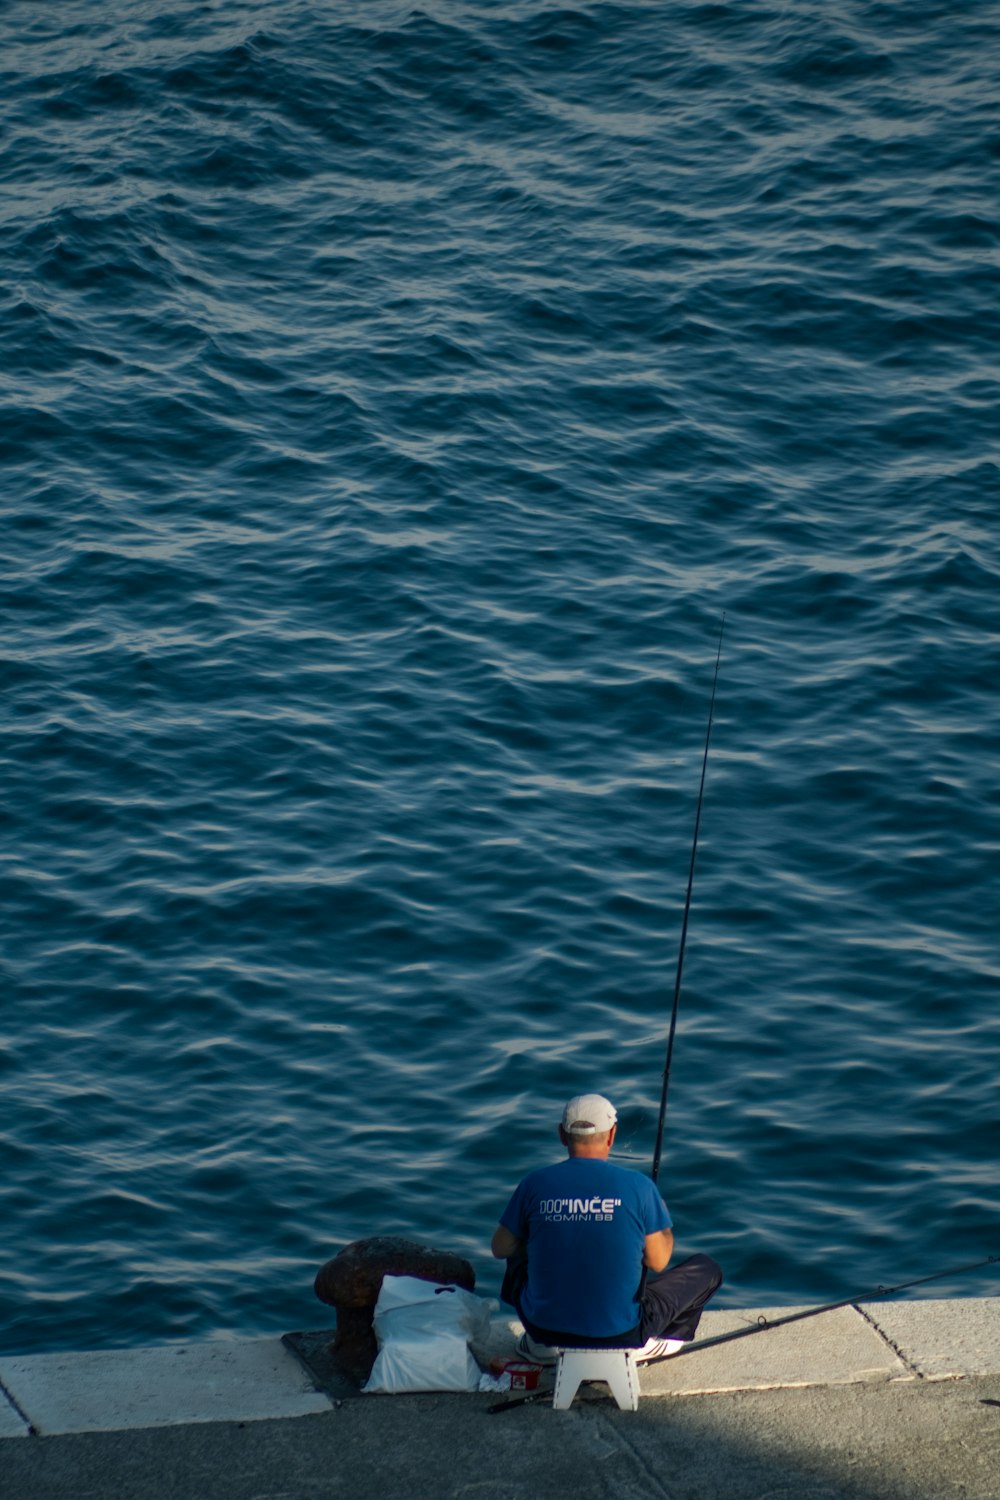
column 671, row 1306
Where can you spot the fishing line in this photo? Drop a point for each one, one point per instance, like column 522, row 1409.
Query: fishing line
column 684, row 925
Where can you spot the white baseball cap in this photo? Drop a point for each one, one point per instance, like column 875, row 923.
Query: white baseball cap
column 589, row 1114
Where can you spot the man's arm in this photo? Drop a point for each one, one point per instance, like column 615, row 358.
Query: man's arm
column 659, row 1248
column 504, row 1243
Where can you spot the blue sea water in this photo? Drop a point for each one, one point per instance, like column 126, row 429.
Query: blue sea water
column 392, row 401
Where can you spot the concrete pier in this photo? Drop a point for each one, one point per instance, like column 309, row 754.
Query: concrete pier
column 888, row 1400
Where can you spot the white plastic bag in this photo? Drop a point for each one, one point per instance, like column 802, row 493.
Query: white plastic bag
column 423, row 1332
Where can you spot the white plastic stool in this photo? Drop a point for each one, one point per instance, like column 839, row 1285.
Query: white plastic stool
column 616, row 1367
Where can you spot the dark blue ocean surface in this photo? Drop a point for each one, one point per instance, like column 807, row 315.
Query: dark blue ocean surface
column 392, row 402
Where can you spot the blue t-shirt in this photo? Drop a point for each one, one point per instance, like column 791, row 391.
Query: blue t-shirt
column 584, row 1223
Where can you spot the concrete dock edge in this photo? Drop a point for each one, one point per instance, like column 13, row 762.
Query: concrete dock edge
column 889, row 1401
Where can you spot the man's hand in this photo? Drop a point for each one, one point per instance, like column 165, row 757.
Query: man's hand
column 504, row 1243
column 659, row 1249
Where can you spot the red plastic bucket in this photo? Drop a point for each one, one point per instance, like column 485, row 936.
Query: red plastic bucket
column 523, row 1377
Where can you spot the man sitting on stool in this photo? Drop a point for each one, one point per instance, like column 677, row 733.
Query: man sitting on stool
column 576, row 1237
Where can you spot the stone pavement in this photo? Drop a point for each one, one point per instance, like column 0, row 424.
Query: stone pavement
column 887, row 1400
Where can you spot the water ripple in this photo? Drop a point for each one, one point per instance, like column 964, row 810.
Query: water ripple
column 391, row 407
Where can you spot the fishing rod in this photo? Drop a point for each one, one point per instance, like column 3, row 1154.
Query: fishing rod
column 684, row 925
column 763, row 1325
